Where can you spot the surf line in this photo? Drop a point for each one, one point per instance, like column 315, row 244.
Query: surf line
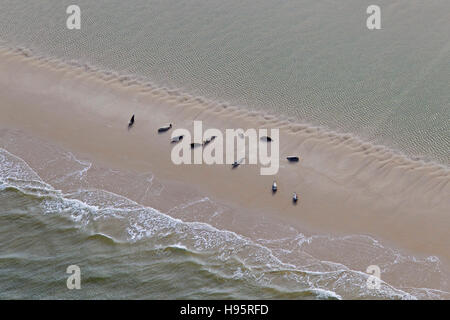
column 208, row 147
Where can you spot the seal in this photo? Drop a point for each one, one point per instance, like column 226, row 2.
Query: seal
column 209, row 140
column 266, row 138
column 177, row 139
column 164, row 129
column 130, row 124
column 292, row 159
column 237, row 163
column 195, row 145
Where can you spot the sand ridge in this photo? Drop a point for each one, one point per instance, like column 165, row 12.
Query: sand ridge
column 344, row 184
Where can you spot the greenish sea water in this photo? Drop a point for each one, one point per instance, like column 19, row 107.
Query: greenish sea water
column 127, row 251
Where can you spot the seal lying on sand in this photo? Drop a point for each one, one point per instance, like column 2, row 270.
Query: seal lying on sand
column 177, row 139
column 292, row 159
column 195, row 145
column 237, row 163
column 164, row 129
column 274, row 187
column 209, row 140
column 130, row 124
column 266, row 138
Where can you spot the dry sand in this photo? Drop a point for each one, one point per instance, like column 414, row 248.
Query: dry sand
column 345, row 186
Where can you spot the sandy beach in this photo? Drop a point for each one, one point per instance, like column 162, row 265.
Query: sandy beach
column 345, row 186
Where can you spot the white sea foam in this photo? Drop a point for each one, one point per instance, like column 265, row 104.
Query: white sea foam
column 239, row 257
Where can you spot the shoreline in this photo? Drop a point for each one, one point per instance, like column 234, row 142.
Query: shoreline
column 174, row 96
column 346, row 186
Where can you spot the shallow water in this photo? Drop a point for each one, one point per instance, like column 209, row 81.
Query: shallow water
column 315, row 62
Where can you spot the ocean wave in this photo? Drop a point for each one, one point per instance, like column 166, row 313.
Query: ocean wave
column 226, row 254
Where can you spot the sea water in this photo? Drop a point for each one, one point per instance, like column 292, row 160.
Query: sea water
column 310, row 61
column 313, row 62
column 128, row 251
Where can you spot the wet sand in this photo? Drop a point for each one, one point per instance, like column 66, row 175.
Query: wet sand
column 345, row 186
